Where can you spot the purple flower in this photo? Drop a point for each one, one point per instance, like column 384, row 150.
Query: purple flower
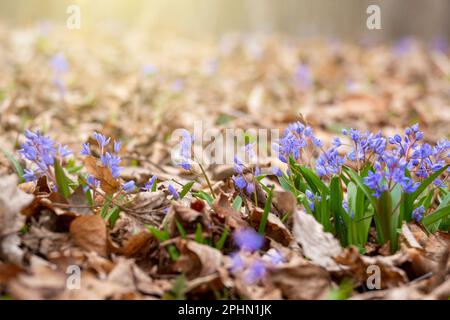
column 277, row 171
column 29, row 175
column 117, row 146
column 275, row 256
column 86, row 149
column 63, row 151
column 59, row 64
column 295, row 138
column 174, row 192
column 238, row 165
column 41, row 151
column 101, row 140
column 92, row 182
column 250, row 188
column 129, row 186
column 374, row 182
column 255, row 272
column 329, row 162
column 302, row 77
column 112, row 162
column 237, row 263
column 149, row 185
column 240, row 182
column 185, row 149
column 248, row 239
column 149, row 70
column 418, row 213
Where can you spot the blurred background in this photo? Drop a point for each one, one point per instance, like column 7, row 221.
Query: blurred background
column 343, row 19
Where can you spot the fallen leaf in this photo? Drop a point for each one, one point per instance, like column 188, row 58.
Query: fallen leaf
column 319, row 246
column 197, row 260
column 90, row 233
column 301, row 280
column 12, row 201
column 225, row 213
column 275, row 229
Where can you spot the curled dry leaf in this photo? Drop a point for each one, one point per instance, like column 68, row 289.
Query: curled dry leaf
column 188, row 218
column 197, row 260
column 300, row 280
column 147, row 207
column 390, row 274
column 319, row 246
column 107, row 182
column 135, row 244
column 225, row 213
column 12, row 200
column 275, row 229
column 90, row 233
column 284, row 201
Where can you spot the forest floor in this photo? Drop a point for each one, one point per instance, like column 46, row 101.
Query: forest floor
column 161, row 245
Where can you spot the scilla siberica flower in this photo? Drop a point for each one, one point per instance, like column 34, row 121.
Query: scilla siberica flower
column 60, row 66
column 240, row 181
column 296, row 137
column 129, row 186
column 186, row 149
column 418, row 213
column 149, row 185
column 41, row 151
column 248, row 239
column 174, row 192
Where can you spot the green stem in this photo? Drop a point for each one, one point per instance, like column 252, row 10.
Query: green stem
column 207, row 180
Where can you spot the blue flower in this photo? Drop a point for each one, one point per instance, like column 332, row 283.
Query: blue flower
column 237, row 263
column 275, row 257
column 92, row 183
column 250, row 188
column 185, row 149
column 129, row 186
column 41, row 151
column 59, row 64
column 374, row 182
column 149, row 185
column 101, row 140
column 174, row 192
column 238, row 165
column 240, row 182
column 248, row 239
column 29, row 175
column 255, row 272
column 63, row 151
column 329, row 162
column 302, row 77
column 86, row 149
column 112, row 162
column 277, row 171
column 117, row 146
column 418, row 213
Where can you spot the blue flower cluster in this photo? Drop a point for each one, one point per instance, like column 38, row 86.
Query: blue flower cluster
column 110, row 160
column 296, row 137
column 240, row 181
column 253, row 268
column 390, row 165
column 41, row 151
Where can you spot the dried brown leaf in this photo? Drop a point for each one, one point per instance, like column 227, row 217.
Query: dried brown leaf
column 90, row 233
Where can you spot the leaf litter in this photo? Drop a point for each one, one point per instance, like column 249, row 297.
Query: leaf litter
column 140, row 248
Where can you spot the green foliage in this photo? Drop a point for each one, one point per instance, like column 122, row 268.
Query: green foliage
column 14, row 163
column 387, row 212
